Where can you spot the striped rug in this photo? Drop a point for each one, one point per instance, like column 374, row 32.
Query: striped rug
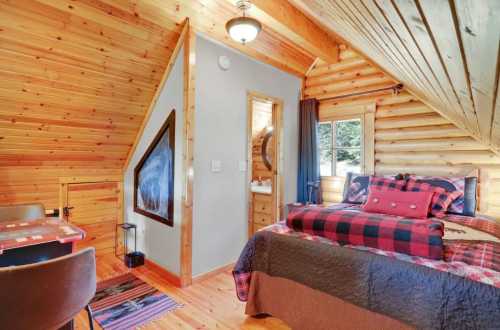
column 126, row 302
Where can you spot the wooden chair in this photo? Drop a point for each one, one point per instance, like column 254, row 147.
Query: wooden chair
column 49, row 294
column 22, row 212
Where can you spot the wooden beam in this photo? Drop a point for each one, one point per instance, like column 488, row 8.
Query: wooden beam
column 164, row 79
column 188, row 157
column 287, row 20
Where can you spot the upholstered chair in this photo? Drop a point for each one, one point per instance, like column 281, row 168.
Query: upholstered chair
column 22, row 212
column 49, row 294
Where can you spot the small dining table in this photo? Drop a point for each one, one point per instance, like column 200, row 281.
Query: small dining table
column 29, row 241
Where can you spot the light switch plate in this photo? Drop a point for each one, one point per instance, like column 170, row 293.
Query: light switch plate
column 216, row 166
column 243, row 165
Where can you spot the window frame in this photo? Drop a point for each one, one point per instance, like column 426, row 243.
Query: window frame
column 361, row 148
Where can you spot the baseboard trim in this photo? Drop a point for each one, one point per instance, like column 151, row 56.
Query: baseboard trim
column 217, row 271
column 170, row 277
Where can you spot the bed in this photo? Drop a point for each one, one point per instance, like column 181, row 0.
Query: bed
column 315, row 278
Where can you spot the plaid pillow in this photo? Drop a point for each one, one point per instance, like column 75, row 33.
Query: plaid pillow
column 466, row 203
column 386, row 184
column 440, row 201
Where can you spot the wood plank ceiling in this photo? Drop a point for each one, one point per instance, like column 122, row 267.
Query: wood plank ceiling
column 77, row 76
column 75, row 80
column 445, row 52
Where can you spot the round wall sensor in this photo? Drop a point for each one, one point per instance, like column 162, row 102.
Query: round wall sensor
column 224, row 62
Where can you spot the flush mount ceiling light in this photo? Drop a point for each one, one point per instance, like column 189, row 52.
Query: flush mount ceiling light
column 243, row 29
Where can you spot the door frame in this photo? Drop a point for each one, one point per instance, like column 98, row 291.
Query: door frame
column 64, row 183
column 278, row 203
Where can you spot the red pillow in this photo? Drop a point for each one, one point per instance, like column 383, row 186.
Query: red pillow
column 402, row 203
column 441, row 200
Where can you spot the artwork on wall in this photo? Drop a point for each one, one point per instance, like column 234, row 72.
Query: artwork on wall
column 154, row 176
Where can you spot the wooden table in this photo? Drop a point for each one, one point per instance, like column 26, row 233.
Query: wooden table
column 24, row 242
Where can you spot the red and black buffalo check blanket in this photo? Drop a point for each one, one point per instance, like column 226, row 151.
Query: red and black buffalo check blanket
column 415, row 237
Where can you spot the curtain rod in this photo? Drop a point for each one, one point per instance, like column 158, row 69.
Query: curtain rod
column 396, row 89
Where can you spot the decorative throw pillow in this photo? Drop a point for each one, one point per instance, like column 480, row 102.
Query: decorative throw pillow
column 441, row 199
column 355, row 188
column 386, row 184
column 463, row 205
column 401, row 203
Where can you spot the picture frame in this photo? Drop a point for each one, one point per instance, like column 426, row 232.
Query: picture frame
column 154, row 176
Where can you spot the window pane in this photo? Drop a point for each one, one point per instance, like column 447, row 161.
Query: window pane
column 348, row 133
column 348, row 160
column 325, row 148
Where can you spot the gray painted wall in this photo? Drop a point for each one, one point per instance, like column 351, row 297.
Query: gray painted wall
column 220, row 199
column 161, row 243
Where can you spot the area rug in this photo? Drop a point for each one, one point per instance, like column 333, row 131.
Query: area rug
column 126, row 302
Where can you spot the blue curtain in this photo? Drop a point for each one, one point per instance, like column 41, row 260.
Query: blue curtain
column 308, row 153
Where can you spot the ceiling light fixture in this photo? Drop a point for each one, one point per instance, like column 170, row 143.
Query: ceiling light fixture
column 243, row 29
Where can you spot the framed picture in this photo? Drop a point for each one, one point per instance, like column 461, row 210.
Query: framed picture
column 154, row 176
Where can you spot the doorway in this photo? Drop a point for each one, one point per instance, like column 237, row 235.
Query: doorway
column 265, row 156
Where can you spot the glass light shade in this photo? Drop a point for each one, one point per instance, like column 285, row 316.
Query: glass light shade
column 243, row 29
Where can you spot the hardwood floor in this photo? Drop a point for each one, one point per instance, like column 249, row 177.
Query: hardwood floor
column 208, row 304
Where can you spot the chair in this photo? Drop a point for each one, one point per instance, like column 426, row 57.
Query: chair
column 49, row 294
column 22, row 212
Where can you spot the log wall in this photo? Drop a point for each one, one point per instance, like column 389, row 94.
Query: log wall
column 410, row 137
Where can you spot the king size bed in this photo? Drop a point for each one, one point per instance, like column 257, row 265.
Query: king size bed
column 356, row 266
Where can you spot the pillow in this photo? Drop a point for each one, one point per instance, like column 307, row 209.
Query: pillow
column 441, row 199
column 402, row 203
column 466, row 203
column 386, row 184
column 355, row 188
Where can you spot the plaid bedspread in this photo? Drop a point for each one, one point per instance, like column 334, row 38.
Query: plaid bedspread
column 414, row 237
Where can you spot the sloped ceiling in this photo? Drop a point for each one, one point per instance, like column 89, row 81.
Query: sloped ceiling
column 445, row 52
column 76, row 78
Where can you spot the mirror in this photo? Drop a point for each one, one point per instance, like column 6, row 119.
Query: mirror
column 266, row 151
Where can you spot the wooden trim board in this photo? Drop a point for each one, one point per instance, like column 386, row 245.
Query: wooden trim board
column 170, row 277
column 188, row 156
column 217, row 271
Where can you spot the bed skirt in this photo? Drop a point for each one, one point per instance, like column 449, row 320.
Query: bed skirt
column 308, row 309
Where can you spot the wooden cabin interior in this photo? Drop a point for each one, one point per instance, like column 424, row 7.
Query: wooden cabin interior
column 263, row 164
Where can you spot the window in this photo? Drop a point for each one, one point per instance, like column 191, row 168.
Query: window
column 340, row 148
